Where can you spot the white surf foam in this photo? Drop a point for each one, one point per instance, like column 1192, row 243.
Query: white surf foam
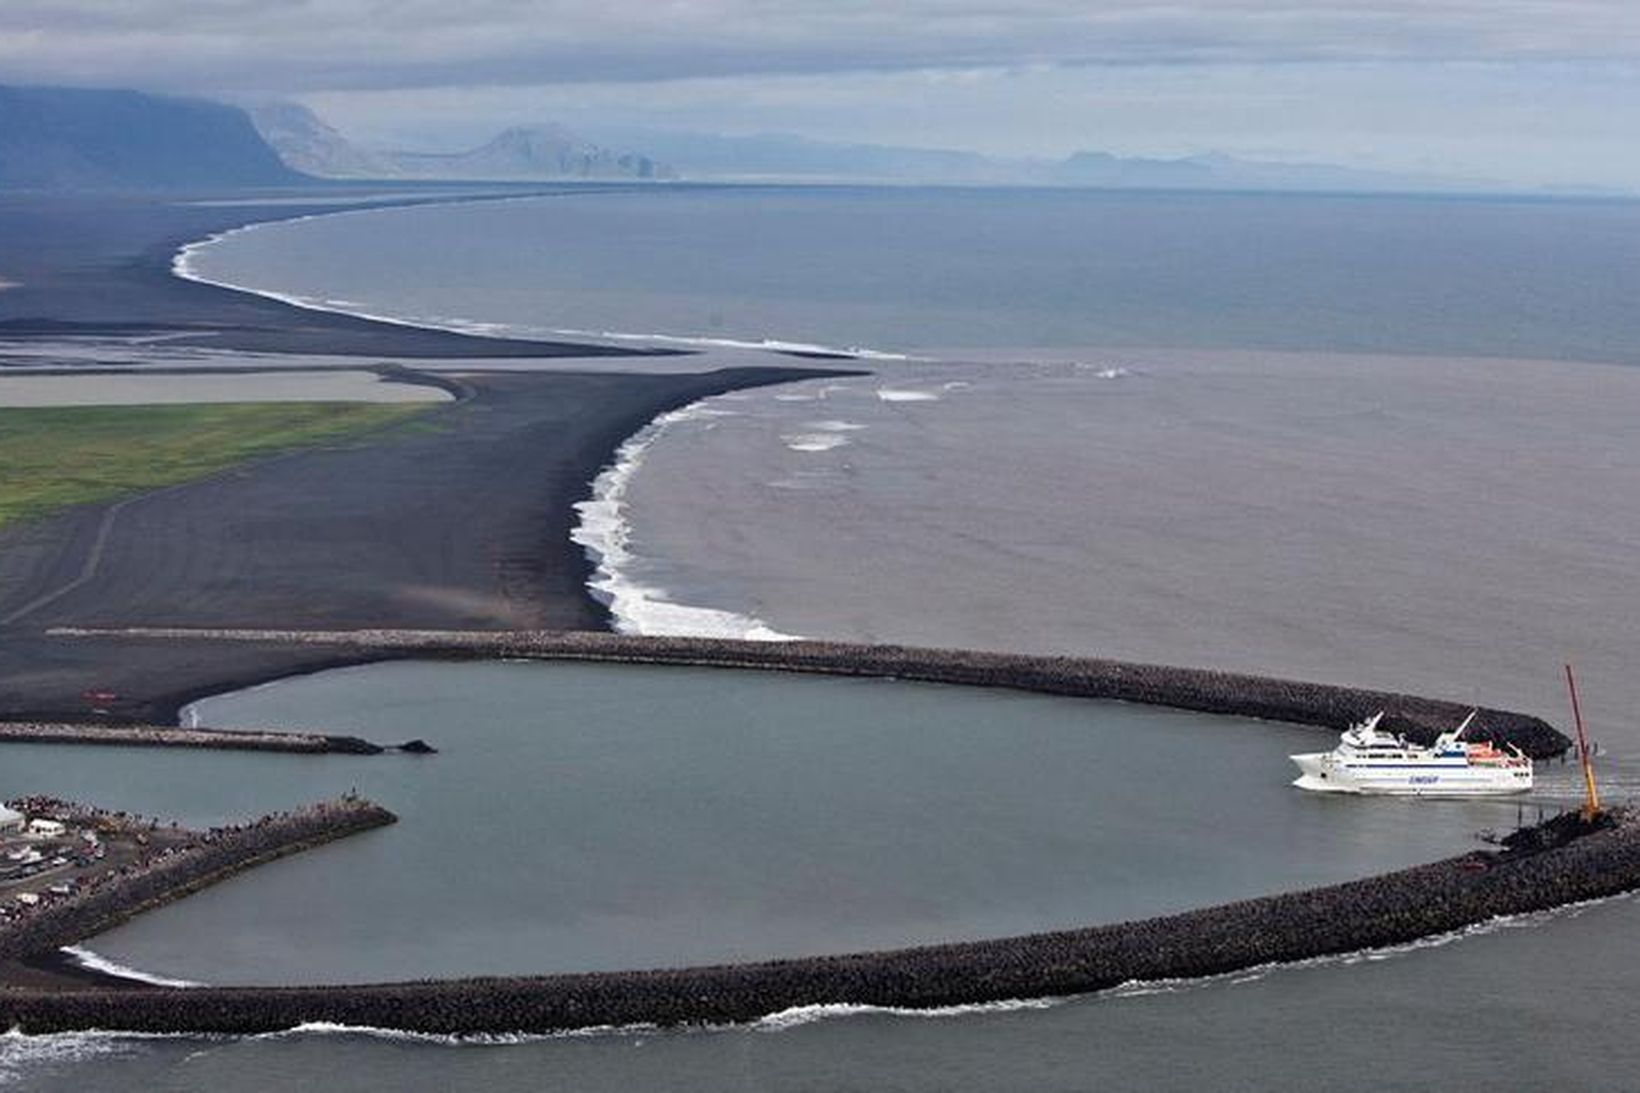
column 820, row 436
column 1145, row 988
column 23, row 1057
column 605, row 532
column 96, row 962
column 488, row 1039
column 818, row 394
column 185, row 264
column 1529, row 920
column 773, row 345
column 1105, row 372
column 898, row 394
column 813, row 442
column 798, row 1016
column 803, row 1015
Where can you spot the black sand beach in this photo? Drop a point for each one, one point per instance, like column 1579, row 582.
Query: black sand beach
column 460, row 519
column 100, row 265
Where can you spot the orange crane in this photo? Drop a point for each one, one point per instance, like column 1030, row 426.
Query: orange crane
column 1591, row 807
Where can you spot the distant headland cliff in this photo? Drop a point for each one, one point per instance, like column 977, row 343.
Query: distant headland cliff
column 55, row 138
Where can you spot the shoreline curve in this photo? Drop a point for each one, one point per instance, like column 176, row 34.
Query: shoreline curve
column 1567, row 860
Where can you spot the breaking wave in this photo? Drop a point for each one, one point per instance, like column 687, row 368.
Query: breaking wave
column 605, row 533
column 487, row 1039
column 772, row 345
column 798, row 1016
column 23, row 1057
column 96, row 962
column 185, row 265
column 813, row 442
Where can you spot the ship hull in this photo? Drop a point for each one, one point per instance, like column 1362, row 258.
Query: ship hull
column 1323, row 772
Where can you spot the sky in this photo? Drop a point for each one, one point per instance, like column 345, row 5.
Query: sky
column 1534, row 91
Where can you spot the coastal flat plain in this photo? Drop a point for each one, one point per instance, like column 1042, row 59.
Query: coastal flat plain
column 458, row 519
column 67, row 455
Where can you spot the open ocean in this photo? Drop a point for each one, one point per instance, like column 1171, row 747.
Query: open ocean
column 1377, row 441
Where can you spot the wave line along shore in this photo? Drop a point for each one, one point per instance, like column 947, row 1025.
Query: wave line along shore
column 1572, row 861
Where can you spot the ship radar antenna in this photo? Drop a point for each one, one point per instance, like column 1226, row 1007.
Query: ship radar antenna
column 1591, row 807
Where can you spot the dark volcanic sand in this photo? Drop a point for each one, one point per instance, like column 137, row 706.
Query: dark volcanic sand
column 101, row 264
column 459, row 519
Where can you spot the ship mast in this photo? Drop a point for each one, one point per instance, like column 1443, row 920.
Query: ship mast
column 1591, row 808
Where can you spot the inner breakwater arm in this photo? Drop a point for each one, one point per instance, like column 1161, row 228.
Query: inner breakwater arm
column 208, row 858
column 1320, row 704
column 171, row 736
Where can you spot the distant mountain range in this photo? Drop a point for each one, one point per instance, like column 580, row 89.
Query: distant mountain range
column 63, row 138
column 549, row 151
column 58, row 138
column 522, row 153
column 782, row 157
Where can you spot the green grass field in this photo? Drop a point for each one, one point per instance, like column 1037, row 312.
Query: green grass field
column 53, row 457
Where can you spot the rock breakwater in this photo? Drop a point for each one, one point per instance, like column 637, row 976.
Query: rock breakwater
column 1580, row 862
column 170, row 736
column 1319, row 704
column 206, row 858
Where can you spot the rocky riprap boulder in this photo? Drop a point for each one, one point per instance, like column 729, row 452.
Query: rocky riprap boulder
column 1585, row 861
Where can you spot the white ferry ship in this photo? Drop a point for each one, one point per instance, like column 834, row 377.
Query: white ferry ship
column 1369, row 760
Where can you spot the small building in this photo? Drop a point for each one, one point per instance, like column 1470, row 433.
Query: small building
column 47, row 829
column 10, row 822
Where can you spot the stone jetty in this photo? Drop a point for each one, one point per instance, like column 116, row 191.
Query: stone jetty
column 1319, row 704
column 1567, row 860
column 204, row 859
column 170, row 736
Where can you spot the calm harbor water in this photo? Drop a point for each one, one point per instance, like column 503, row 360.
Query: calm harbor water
column 1322, row 477
column 584, row 817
